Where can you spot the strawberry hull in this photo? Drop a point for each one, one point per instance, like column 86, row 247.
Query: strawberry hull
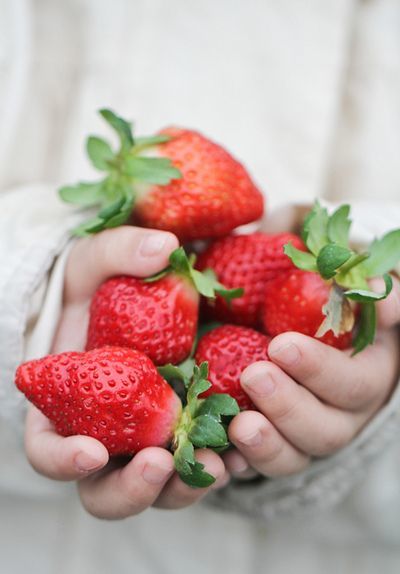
column 113, row 395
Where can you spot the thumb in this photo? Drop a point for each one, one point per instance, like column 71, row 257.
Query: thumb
column 389, row 308
column 124, row 250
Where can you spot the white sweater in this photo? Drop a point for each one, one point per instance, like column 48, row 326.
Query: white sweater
column 307, row 95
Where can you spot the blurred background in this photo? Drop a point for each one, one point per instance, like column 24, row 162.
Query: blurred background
column 307, row 95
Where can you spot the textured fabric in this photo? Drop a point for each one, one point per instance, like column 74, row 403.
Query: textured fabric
column 306, row 95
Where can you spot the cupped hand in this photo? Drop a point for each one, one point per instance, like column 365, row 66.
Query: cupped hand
column 312, row 399
column 110, row 488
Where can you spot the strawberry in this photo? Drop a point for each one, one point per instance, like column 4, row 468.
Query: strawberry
column 317, row 299
column 246, row 261
column 229, row 349
column 294, row 301
column 214, row 195
column 157, row 316
column 178, row 181
column 112, row 394
column 117, row 396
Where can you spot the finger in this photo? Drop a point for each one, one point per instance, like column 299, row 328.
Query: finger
column 129, row 490
column 389, row 308
column 264, row 448
column 309, row 425
column 125, row 250
column 57, row 457
column 177, row 494
column 237, row 465
column 352, row 383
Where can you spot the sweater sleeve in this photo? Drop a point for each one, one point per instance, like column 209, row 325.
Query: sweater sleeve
column 327, row 480
column 33, row 232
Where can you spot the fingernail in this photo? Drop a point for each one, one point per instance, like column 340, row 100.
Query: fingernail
column 153, row 244
column 260, row 384
column 286, row 354
column 85, row 462
column 253, row 439
column 155, row 474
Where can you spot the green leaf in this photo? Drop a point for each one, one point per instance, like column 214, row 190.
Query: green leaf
column 184, row 457
column 365, row 296
column 121, row 126
column 204, row 284
column 151, row 169
column 179, row 261
column 302, row 259
column 366, row 328
column 198, row 477
column 187, row 367
column 198, row 386
column 150, row 141
column 183, row 372
column 330, row 258
column 230, row 294
column 83, row 193
column 219, row 405
column 88, row 227
column 315, row 229
column 339, row 226
column 99, row 152
column 351, row 274
column 206, row 431
column 112, row 209
column 384, row 255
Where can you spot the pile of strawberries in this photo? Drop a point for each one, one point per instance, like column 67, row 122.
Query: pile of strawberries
column 164, row 355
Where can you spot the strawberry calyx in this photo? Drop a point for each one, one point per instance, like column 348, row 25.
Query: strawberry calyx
column 126, row 171
column 203, row 423
column 205, row 282
column 346, row 271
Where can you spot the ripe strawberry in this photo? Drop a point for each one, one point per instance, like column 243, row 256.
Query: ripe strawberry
column 157, row 316
column 229, row 349
column 178, row 181
column 214, row 195
column 112, row 394
column 247, row 261
column 117, row 396
column 294, row 302
column 159, row 319
column 317, row 302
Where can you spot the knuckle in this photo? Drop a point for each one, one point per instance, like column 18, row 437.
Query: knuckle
column 90, row 504
column 360, row 392
column 285, row 410
column 332, row 440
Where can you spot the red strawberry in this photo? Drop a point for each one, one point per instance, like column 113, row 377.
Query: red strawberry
column 178, row 181
column 247, row 261
column 156, row 317
column 159, row 319
column 294, row 302
column 117, row 396
column 114, row 395
column 229, row 349
column 214, row 195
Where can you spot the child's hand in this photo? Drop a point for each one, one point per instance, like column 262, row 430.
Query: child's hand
column 108, row 490
column 313, row 399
